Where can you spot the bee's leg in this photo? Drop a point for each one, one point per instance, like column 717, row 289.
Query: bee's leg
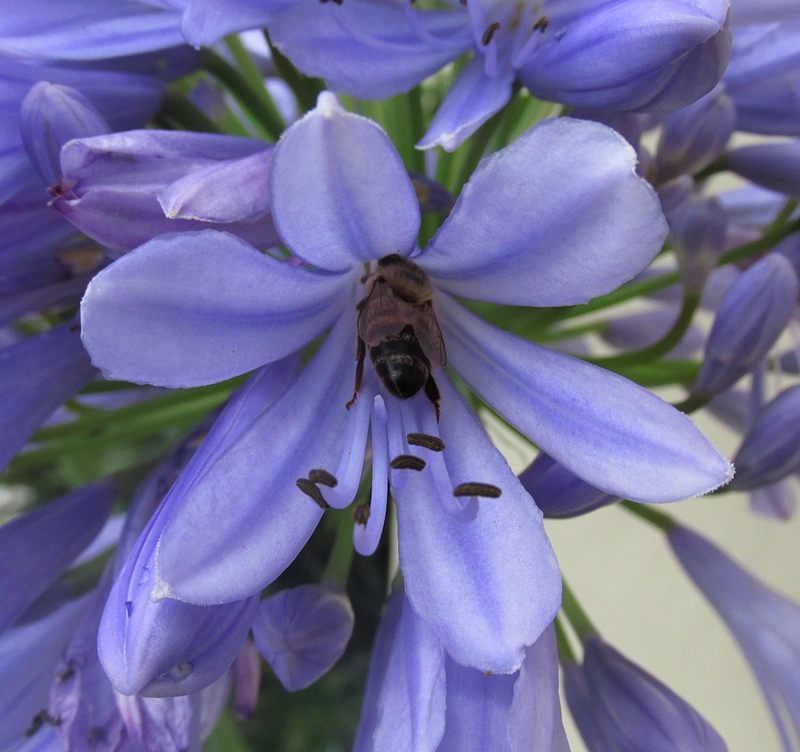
column 432, row 393
column 360, row 355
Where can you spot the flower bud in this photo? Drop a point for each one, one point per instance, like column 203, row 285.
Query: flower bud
column 51, row 116
column 694, row 136
column 619, row 706
column 774, row 166
column 753, row 314
column 771, row 449
column 302, row 632
column 559, row 493
column 698, row 231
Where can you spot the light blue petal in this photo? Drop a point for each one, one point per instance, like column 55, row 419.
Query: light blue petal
column 195, row 308
column 487, row 586
column 245, row 520
column 469, row 103
column 539, row 237
column 369, row 49
column 340, row 193
column 605, row 429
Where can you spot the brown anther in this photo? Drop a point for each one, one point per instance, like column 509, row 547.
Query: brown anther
column 407, row 462
column 434, row 443
column 487, row 673
column 361, row 514
column 69, row 672
column 489, row 33
column 310, row 489
column 477, row 489
column 323, row 477
column 541, row 24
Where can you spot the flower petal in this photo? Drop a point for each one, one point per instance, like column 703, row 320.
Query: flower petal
column 340, row 193
column 546, row 237
column 367, row 49
column 188, row 309
column 245, row 520
column 489, row 586
column 40, row 545
column 471, row 101
column 607, row 430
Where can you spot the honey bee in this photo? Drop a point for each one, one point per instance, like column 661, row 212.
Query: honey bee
column 397, row 323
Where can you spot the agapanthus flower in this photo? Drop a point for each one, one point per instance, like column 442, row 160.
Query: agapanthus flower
column 194, row 308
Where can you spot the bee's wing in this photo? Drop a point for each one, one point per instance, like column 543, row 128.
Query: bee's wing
column 426, row 327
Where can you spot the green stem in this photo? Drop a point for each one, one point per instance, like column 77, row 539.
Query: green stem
column 690, row 303
column 692, row 403
column 565, row 654
column 337, row 569
column 255, row 100
column 575, row 614
column 181, row 110
column 659, row 519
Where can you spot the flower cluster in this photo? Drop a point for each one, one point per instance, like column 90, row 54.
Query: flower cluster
column 269, row 270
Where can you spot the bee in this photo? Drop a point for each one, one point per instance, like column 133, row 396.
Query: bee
column 397, row 323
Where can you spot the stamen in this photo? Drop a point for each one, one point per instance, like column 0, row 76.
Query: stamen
column 434, row 443
column 407, row 462
column 68, row 672
column 541, row 24
column 477, row 489
column 310, row 489
column 361, row 514
column 489, row 33
column 323, row 477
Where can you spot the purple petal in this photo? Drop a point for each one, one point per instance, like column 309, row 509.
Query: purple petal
column 37, row 547
column 302, row 633
column 166, row 647
column 777, row 501
column 559, row 493
column 51, row 116
column 771, row 449
column 753, row 313
column 163, row 723
column 91, row 30
column 765, row 624
column 339, row 191
column 228, row 191
column 247, row 680
column 28, row 657
column 471, row 101
column 489, row 586
column 773, row 166
column 367, row 49
column 207, row 21
column 477, row 710
column 630, row 55
column 195, row 308
column 764, row 11
column 610, row 432
column 404, row 706
column 112, row 186
column 37, row 375
column 537, row 687
column 539, row 237
column 246, row 519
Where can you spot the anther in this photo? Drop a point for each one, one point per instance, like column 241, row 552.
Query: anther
column 489, row 33
column 434, row 443
column 541, row 24
column 310, row 489
column 361, row 514
column 477, row 489
column 323, row 477
column 67, row 673
column 407, row 462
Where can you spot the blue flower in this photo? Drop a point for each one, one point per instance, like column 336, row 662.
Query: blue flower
column 194, row 308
